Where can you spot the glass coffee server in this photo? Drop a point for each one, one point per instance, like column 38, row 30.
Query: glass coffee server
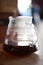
column 21, row 35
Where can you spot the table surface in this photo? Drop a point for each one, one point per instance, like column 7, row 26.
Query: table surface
column 32, row 59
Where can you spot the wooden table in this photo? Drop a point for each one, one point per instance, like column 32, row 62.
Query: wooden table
column 32, row 59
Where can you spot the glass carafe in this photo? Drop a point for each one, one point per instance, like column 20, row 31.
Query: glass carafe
column 21, row 34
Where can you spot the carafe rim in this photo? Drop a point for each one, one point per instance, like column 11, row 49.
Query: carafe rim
column 24, row 17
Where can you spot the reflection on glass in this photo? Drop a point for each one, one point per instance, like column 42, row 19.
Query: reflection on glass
column 24, row 7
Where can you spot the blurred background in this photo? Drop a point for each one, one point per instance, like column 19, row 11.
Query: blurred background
column 19, row 8
column 40, row 4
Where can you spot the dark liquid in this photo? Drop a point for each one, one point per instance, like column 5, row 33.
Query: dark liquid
column 19, row 49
